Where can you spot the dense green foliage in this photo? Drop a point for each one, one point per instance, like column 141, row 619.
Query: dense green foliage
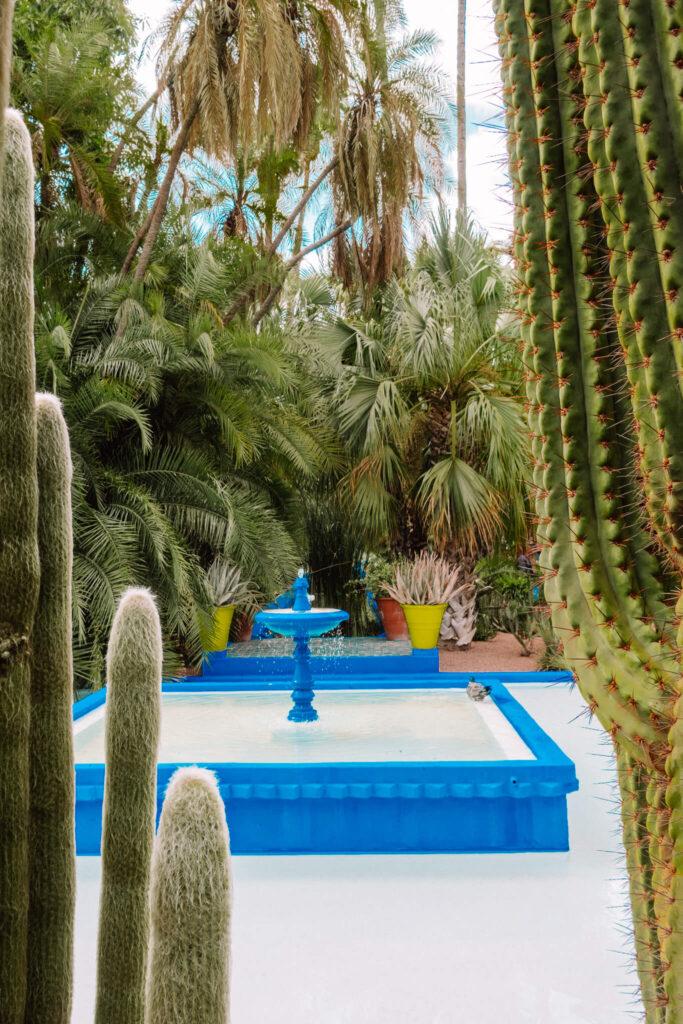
column 210, row 413
column 188, row 441
column 506, row 601
column 424, row 393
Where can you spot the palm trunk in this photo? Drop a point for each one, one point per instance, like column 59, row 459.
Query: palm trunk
column 161, row 202
column 130, row 256
column 461, row 107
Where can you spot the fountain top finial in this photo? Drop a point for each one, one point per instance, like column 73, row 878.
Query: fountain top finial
column 300, row 588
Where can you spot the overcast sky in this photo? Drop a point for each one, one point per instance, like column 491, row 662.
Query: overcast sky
column 486, row 146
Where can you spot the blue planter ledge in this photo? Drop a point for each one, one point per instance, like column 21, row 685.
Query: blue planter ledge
column 223, row 666
column 373, row 807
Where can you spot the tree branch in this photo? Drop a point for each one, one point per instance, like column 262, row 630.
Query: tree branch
column 132, row 252
column 302, row 204
column 272, row 248
column 161, row 202
column 137, row 116
column 277, row 288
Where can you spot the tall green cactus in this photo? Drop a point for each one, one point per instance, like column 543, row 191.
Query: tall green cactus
column 37, row 869
column 52, row 846
column 18, row 551
column 189, row 968
column 593, row 91
column 133, row 714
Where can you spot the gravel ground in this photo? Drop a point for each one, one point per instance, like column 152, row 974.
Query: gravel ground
column 501, row 654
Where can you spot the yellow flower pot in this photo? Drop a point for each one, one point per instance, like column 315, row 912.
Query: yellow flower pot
column 216, row 638
column 424, row 624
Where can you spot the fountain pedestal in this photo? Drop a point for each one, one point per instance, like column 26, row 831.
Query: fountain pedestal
column 303, row 693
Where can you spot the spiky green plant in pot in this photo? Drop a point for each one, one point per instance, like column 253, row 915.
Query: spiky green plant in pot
column 595, row 128
column 424, row 587
column 227, row 588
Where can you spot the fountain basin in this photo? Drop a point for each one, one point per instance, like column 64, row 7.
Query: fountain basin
column 288, row 622
column 402, row 764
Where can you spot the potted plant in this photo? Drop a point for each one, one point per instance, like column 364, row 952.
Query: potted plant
column 243, row 623
column 227, row 588
column 423, row 587
column 378, row 575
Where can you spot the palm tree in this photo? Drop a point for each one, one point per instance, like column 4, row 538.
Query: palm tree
column 388, row 144
column 239, row 72
column 233, row 206
column 390, row 139
column 70, row 93
column 188, row 442
column 427, row 400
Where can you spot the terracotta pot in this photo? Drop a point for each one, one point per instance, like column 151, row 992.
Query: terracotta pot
column 393, row 619
column 242, row 628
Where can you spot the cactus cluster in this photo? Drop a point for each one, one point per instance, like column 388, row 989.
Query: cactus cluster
column 37, row 792
column 593, row 92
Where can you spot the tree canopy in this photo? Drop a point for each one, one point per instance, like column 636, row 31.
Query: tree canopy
column 223, row 400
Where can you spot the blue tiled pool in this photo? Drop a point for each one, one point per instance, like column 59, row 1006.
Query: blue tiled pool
column 401, row 760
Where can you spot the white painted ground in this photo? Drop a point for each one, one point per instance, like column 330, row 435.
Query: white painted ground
column 474, row 939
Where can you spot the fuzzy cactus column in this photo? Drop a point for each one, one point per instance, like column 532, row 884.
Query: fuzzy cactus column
column 6, row 15
column 19, row 573
column 133, row 714
column 52, row 848
column 189, row 967
column 592, row 144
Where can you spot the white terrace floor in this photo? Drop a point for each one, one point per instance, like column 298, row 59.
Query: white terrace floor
column 481, row 939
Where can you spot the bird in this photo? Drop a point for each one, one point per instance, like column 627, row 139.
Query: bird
column 477, row 691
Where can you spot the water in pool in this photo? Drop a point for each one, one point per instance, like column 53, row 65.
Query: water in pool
column 354, row 725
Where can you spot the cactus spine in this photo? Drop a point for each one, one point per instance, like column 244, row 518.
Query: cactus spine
column 18, row 552
column 133, row 713
column 593, row 90
column 52, row 849
column 189, row 969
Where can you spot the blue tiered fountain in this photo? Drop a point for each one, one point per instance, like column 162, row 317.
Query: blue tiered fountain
column 301, row 622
